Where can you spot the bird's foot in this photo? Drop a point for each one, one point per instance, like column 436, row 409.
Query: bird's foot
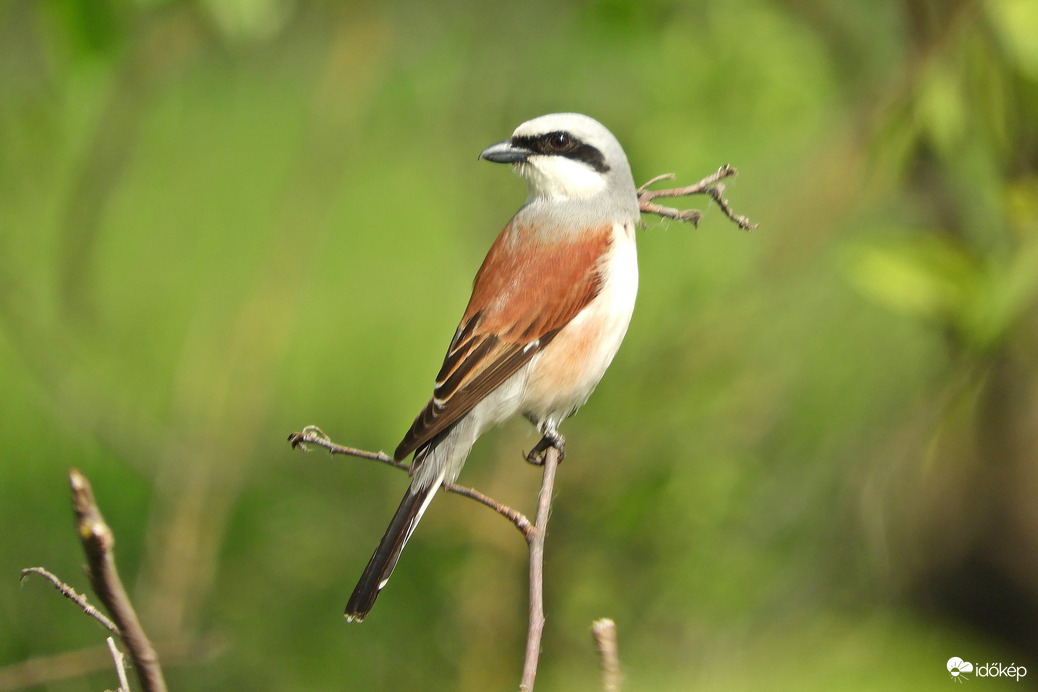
column 551, row 438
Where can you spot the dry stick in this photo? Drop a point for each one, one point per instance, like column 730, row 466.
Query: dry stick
column 604, row 632
column 120, row 665
column 535, row 539
column 72, row 595
column 98, row 542
column 710, row 185
column 312, row 435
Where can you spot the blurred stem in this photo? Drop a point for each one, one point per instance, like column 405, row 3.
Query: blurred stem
column 172, row 39
column 227, row 374
column 604, row 633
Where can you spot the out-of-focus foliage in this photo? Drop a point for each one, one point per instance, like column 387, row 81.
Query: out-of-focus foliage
column 811, row 466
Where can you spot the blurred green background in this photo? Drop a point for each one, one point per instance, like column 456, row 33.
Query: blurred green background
column 812, row 465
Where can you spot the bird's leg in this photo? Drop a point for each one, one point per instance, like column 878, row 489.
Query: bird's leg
column 551, row 437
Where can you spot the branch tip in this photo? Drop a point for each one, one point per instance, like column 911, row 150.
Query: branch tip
column 604, row 632
column 710, row 186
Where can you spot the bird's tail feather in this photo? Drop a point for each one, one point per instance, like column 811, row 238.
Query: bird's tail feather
column 382, row 562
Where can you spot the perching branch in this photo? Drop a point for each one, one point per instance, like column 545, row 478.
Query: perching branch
column 312, row 435
column 710, row 185
column 535, row 540
column 98, row 542
column 533, row 533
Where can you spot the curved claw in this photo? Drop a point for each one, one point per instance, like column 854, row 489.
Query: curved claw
column 551, row 438
column 310, row 433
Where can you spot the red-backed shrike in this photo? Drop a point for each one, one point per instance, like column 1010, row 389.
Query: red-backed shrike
column 549, row 308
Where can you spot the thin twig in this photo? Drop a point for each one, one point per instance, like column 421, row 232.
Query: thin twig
column 120, row 665
column 312, row 435
column 513, row 515
column 604, row 633
column 535, row 539
column 72, row 595
column 98, row 541
column 710, row 185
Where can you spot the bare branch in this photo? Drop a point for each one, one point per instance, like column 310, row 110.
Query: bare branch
column 98, row 542
column 533, row 533
column 710, row 185
column 517, row 518
column 536, row 541
column 312, row 435
column 604, row 632
column 652, row 181
column 71, row 594
column 120, row 665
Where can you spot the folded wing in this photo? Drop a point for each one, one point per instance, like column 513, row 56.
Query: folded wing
column 523, row 295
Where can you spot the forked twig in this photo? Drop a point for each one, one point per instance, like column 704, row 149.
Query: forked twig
column 710, row 185
column 312, row 435
column 533, row 533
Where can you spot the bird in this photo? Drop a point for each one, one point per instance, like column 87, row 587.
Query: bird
column 550, row 305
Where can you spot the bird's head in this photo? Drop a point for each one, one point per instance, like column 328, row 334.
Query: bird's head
column 565, row 155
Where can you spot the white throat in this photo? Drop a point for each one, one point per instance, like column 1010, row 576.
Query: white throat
column 557, row 176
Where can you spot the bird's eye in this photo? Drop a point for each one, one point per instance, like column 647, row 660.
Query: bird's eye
column 558, row 140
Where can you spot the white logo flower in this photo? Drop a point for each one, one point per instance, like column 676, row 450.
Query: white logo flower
column 956, row 666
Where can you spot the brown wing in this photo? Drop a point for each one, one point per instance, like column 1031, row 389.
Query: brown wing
column 525, row 292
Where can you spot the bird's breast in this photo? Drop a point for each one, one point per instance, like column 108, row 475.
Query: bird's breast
column 561, row 378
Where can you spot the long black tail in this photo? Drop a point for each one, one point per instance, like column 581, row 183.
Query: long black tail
column 381, row 565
